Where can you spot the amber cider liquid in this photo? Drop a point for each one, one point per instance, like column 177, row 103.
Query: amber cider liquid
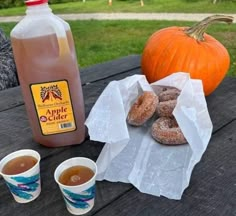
column 38, row 60
column 76, row 175
column 19, row 165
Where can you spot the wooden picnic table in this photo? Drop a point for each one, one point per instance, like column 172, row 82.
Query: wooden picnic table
column 212, row 189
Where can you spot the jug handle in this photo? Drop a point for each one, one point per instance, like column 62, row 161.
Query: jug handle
column 60, row 31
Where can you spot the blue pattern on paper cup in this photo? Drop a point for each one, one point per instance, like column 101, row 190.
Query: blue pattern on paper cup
column 80, row 200
column 24, row 186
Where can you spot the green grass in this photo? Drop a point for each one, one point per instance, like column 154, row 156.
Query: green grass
column 187, row 6
column 100, row 41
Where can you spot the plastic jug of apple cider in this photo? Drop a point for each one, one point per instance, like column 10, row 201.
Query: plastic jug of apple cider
column 47, row 67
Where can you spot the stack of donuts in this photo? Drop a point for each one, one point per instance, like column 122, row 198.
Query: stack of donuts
column 165, row 129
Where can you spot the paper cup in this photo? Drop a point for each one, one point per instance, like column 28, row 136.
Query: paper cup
column 25, row 186
column 79, row 199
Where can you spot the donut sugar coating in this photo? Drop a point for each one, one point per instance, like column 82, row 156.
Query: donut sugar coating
column 169, row 94
column 167, row 102
column 166, row 131
column 143, row 108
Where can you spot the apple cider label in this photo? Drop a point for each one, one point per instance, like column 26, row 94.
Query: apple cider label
column 53, row 106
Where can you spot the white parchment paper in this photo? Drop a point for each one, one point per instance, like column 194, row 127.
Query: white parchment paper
column 131, row 155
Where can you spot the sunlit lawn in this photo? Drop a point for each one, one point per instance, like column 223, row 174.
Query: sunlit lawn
column 99, row 41
column 188, row 6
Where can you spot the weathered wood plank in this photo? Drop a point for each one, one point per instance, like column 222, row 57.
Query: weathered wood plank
column 13, row 97
column 93, row 90
column 211, row 191
column 222, row 103
column 14, row 122
column 110, row 68
column 15, row 131
column 10, row 98
column 50, row 201
column 16, row 134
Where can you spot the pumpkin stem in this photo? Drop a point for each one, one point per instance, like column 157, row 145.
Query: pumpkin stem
column 197, row 31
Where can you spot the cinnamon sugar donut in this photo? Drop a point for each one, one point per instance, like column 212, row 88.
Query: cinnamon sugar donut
column 166, row 131
column 143, row 108
column 167, row 102
column 169, row 94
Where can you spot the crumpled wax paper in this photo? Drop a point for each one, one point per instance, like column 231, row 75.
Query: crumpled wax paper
column 131, row 155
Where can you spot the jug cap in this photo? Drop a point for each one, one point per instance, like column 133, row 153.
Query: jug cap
column 35, row 2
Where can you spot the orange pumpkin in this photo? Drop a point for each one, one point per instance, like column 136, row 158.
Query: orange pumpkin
column 189, row 50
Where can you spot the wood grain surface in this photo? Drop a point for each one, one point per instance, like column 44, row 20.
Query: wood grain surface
column 212, row 190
